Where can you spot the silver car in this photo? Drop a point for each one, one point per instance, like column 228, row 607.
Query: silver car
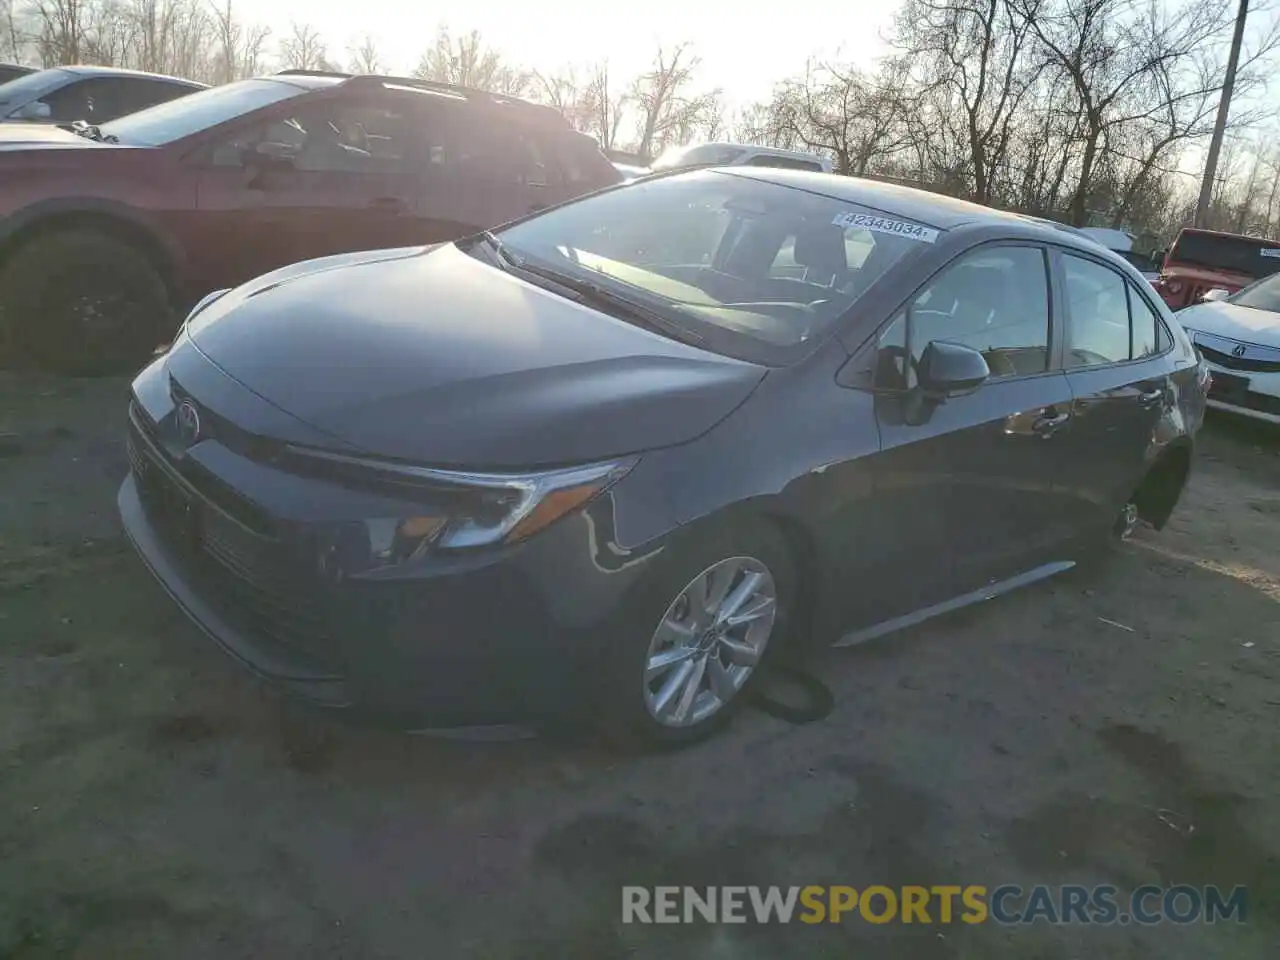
column 92, row 94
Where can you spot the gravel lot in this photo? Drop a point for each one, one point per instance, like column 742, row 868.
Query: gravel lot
column 155, row 801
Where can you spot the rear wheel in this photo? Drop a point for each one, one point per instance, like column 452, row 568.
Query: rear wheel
column 696, row 634
column 82, row 303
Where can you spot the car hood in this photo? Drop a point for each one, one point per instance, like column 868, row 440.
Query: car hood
column 24, row 135
column 430, row 355
column 1234, row 322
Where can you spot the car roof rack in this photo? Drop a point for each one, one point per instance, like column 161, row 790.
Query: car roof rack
column 470, row 94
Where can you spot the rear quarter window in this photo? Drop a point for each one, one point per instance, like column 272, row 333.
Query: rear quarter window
column 581, row 164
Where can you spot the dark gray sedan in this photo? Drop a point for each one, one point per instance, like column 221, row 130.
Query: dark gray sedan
column 604, row 461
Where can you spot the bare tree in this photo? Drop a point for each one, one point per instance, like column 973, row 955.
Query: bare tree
column 365, row 56
column 60, row 30
column 11, row 40
column 303, row 49
column 469, row 62
column 971, row 55
column 561, row 90
column 604, row 106
column 668, row 112
column 839, row 110
column 764, row 124
column 239, row 50
column 1112, row 51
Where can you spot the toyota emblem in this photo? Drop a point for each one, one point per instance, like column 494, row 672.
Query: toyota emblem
column 188, row 422
column 1238, row 351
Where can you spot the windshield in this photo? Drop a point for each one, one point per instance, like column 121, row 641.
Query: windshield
column 1139, row 260
column 1251, row 256
column 167, row 122
column 32, row 85
column 756, row 269
column 1262, row 295
column 708, row 154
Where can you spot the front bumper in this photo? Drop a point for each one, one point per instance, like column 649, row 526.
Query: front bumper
column 1246, row 377
column 492, row 639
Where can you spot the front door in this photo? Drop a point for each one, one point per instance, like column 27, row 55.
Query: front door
column 986, row 462
column 330, row 177
column 1120, row 384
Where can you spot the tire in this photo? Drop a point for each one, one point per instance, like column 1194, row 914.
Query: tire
column 626, row 701
column 81, row 303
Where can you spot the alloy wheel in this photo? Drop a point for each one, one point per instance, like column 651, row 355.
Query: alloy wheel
column 709, row 641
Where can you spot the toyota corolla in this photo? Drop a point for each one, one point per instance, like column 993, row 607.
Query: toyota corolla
column 601, row 463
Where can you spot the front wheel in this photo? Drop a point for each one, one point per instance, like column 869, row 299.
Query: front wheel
column 82, row 303
column 697, row 634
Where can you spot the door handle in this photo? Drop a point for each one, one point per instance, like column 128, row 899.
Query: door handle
column 393, row 205
column 1046, row 426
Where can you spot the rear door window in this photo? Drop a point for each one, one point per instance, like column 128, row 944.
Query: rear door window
column 1098, row 307
column 502, row 152
column 1145, row 325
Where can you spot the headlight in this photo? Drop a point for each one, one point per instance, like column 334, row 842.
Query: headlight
column 464, row 508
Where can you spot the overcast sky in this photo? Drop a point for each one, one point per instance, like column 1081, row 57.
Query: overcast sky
column 744, row 47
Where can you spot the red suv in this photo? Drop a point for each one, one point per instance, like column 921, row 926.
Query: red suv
column 1202, row 260
column 107, row 231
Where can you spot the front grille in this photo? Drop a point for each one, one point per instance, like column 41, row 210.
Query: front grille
column 1238, row 363
column 252, row 580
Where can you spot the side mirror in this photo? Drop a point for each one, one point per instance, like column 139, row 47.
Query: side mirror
column 35, row 110
column 263, row 160
column 1217, row 293
column 949, row 369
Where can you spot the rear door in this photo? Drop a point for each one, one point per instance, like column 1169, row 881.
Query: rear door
column 495, row 170
column 1115, row 356
column 972, row 487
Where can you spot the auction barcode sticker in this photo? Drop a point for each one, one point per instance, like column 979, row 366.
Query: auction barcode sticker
column 899, row 228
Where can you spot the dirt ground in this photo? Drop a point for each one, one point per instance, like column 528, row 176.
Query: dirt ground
column 1112, row 726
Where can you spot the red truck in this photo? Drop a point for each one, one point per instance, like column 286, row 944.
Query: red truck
column 1203, row 260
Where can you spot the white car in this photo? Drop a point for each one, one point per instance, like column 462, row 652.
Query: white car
column 1121, row 243
column 92, row 94
column 631, row 171
column 739, row 155
column 1239, row 337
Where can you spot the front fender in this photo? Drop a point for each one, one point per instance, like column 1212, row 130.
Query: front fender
column 140, row 226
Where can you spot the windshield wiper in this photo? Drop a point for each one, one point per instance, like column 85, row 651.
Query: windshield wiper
column 587, row 291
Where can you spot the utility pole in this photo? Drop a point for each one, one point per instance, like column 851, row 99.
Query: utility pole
column 1220, row 124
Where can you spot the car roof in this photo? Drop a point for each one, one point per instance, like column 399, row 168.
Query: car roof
column 307, row 81
column 469, row 96
column 932, row 209
column 84, row 70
